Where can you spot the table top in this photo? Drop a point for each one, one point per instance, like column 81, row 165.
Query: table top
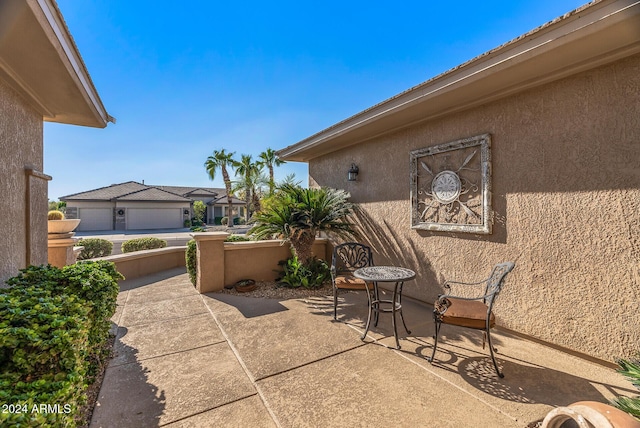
column 384, row 273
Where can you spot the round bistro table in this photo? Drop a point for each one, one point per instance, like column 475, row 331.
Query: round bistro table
column 376, row 274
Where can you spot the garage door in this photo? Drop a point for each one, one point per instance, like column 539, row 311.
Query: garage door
column 95, row 219
column 154, row 218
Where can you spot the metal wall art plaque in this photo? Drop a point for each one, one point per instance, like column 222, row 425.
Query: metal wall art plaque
column 451, row 186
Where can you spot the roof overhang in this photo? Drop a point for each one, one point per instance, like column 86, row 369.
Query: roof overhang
column 596, row 34
column 40, row 61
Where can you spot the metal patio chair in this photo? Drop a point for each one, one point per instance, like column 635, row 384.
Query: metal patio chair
column 471, row 312
column 346, row 259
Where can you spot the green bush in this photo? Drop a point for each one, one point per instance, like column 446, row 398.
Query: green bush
column 187, row 223
column 237, row 238
column 53, row 327
column 94, row 247
column 191, row 258
column 236, row 220
column 631, row 370
column 217, row 220
column 198, row 229
column 295, row 274
column 139, row 244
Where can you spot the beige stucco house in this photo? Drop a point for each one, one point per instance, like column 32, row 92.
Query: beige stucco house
column 42, row 77
column 137, row 206
column 528, row 153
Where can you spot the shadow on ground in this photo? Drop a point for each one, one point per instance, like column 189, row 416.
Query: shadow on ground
column 250, row 307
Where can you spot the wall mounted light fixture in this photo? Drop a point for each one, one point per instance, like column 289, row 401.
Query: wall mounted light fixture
column 353, row 172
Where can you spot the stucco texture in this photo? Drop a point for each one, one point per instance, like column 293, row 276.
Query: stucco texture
column 21, row 147
column 566, row 201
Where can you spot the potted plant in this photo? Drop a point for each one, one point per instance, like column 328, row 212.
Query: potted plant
column 58, row 224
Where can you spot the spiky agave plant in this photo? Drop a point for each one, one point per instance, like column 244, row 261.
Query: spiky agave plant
column 631, row 370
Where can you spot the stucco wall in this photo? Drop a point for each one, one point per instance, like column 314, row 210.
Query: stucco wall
column 21, row 147
column 566, row 196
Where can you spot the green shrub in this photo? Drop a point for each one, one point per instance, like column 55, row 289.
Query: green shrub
column 224, row 220
column 239, row 220
column 237, row 238
column 217, row 220
column 191, row 258
column 55, row 215
column 94, row 247
column 139, row 244
column 631, row 370
column 53, row 327
column 295, row 274
column 187, row 223
column 198, row 229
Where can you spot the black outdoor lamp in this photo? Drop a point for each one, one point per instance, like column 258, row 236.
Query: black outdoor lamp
column 353, row 172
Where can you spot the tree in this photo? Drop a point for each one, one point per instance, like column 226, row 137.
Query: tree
column 269, row 159
column 297, row 215
column 249, row 172
column 199, row 209
column 220, row 159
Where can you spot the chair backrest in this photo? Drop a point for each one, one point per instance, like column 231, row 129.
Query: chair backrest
column 496, row 281
column 350, row 256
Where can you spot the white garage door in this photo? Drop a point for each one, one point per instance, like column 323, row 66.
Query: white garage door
column 154, row 218
column 95, row 219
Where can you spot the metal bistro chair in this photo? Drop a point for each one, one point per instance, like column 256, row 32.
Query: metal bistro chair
column 346, row 259
column 471, row 312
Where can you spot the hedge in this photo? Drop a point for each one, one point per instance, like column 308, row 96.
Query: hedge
column 94, row 247
column 139, row 244
column 191, row 259
column 54, row 324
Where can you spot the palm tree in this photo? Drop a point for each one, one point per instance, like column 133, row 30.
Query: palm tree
column 249, row 172
column 269, row 159
column 297, row 215
column 220, row 159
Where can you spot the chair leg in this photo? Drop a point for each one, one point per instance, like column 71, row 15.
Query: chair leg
column 493, row 358
column 435, row 342
column 335, row 303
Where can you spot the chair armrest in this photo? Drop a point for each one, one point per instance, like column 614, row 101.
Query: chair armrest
column 447, row 284
column 442, row 304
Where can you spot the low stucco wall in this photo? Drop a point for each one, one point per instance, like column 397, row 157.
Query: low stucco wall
column 223, row 263
column 141, row 263
column 566, row 203
column 259, row 260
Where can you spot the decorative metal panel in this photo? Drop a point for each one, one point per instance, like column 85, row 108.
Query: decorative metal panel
column 451, row 186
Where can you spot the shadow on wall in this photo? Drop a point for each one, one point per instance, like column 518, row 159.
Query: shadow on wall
column 389, row 250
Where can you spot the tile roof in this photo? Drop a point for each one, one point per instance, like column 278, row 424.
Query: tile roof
column 185, row 190
column 106, row 193
column 134, row 191
column 153, row 194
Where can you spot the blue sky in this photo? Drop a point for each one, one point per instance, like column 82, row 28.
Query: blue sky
column 184, row 79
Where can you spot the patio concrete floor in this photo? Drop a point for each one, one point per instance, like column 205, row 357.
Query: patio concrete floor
column 189, row 360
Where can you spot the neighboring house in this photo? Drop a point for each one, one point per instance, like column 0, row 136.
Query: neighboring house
column 528, row 153
column 42, row 77
column 136, row 206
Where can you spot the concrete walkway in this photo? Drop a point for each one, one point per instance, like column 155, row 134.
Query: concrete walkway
column 217, row 360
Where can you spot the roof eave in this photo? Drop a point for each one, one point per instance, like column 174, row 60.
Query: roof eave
column 39, row 60
column 586, row 38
